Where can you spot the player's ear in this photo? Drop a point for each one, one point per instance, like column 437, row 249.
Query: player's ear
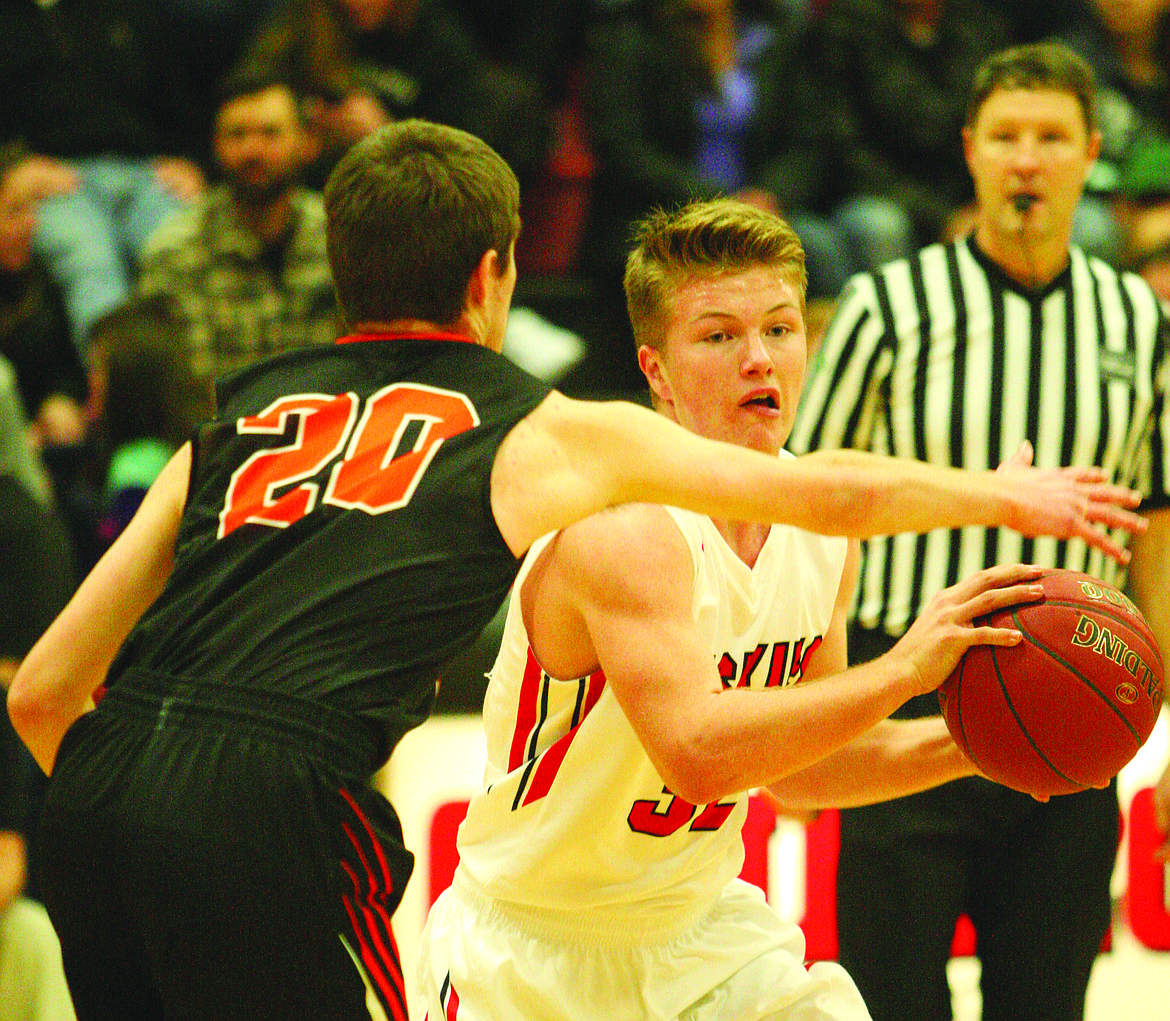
column 1094, row 146
column 650, row 362
column 478, row 286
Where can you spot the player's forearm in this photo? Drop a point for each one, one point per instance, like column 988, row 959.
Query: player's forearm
column 895, row 758
column 742, row 738
column 56, row 680
column 838, row 492
column 620, row 453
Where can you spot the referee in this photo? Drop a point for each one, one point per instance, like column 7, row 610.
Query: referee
column 957, row 356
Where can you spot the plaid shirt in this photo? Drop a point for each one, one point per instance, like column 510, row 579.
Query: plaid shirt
column 236, row 312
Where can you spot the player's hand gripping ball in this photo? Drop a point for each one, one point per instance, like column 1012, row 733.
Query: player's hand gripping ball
column 1068, row 706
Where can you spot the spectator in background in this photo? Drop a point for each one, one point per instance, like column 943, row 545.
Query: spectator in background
column 34, row 331
column 35, row 580
column 145, row 403
column 545, row 44
column 894, row 77
column 97, row 95
column 1141, row 205
column 535, row 39
column 1030, row 21
column 360, row 64
column 18, row 459
column 246, row 265
column 1117, row 38
column 213, row 36
column 694, row 99
column 32, row 981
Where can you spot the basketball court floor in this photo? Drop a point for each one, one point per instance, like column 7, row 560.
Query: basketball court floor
column 1130, row 983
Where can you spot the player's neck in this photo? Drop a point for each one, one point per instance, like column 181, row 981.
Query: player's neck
column 746, row 538
column 1031, row 262
column 410, row 326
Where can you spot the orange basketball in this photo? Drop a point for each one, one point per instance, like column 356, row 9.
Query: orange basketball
column 1072, row 703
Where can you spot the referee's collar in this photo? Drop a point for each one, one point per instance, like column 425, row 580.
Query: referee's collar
column 1002, row 281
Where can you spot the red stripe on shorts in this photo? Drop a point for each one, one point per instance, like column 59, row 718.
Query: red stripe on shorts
column 391, row 985
column 381, row 960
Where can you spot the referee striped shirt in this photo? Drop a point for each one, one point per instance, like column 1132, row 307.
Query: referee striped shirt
column 944, row 358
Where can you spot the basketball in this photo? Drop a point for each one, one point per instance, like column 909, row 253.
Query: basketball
column 1071, row 704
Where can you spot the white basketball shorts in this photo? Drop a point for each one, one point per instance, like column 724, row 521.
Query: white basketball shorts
column 481, row 960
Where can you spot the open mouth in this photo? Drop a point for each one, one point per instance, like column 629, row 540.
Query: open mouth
column 762, row 401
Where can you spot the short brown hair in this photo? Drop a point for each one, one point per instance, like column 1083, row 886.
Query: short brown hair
column 710, row 236
column 410, row 211
column 1035, row 66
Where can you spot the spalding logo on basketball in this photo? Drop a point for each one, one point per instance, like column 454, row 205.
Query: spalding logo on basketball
column 1072, row 703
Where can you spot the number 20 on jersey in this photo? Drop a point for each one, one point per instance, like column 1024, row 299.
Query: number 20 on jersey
column 376, row 466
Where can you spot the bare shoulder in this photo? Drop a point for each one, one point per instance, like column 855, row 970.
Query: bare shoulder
column 523, row 460
column 542, row 439
column 619, row 567
column 632, row 555
column 546, row 473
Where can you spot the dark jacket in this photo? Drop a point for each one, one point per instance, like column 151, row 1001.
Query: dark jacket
column 642, row 92
column 895, row 109
column 89, row 77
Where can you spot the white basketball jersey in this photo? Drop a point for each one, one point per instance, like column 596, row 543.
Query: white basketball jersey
column 573, row 817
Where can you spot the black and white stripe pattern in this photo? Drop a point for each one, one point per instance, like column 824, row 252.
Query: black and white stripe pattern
column 943, row 358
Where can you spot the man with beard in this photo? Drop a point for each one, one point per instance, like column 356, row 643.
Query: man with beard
column 246, row 265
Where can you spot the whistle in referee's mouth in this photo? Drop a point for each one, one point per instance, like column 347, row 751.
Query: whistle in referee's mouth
column 1023, row 202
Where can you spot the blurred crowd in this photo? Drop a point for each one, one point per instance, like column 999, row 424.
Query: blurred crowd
column 161, row 164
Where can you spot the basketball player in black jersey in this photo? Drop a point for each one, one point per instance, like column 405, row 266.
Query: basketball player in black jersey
column 273, row 619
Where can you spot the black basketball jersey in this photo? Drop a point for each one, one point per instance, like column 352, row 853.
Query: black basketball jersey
column 338, row 542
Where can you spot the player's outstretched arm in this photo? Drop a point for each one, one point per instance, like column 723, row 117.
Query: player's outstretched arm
column 56, row 680
column 569, row 459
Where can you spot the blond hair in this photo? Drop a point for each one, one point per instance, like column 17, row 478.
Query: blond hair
column 710, row 236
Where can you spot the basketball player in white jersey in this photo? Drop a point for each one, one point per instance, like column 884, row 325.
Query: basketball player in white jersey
column 648, row 679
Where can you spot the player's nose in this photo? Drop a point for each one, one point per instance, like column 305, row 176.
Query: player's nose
column 757, row 358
